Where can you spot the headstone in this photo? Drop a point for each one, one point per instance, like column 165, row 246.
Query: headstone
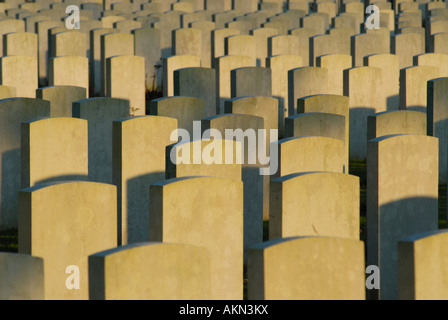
column 388, row 63
column 437, row 115
column 307, row 154
column 64, row 223
column 402, row 200
column 126, row 80
column 304, row 82
column 366, row 44
column 61, row 98
column 439, row 43
column 396, row 122
column 280, row 66
column 69, row 71
column 53, row 149
column 42, row 28
column 306, row 264
column 7, row 92
column 100, row 113
column 138, row 160
column 21, row 277
column 438, row 60
column 10, row 26
column 421, row 273
column 413, row 95
column 185, row 109
column 283, row 45
column 335, row 64
column 150, row 271
column 241, row 45
column 112, row 45
column 20, row 44
column 250, row 81
column 224, row 66
column 255, row 185
column 96, row 68
column 19, row 72
column 362, row 85
column 406, row 46
column 187, row 42
column 172, row 64
column 218, row 42
column 147, row 44
column 261, row 41
column 69, row 43
column 198, row 83
column 202, row 194
column 206, row 28
column 296, row 210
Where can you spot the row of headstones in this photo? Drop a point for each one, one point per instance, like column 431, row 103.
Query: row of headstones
column 311, row 268
column 179, row 213
column 74, row 44
column 288, row 148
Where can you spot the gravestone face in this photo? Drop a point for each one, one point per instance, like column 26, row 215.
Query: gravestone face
column 250, row 81
column 241, row 45
column 53, row 149
column 245, row 6
column 42, row 28
column 172, row 64
column 69, row 71
column 87, row 225
column 7, row 92
column 315, row 21
column 307, row 154
column 280, row 66
column 126, row 80
column 126, row 26
column 437, row 60
column 96, row 68
column 187, row 41
column 224, row 67
column 225, row 163
column 255, row 185
column 396, row 122
column 225, row 198
column 297, row 210
column 147, row 44
column 367, row 44
column 206, row 28
column 20, row 44
column 361, row 86
column 138, row 152
column 304, row 82
column 218, row 41
column 402, row 200
column 114, row 44
column 243, row 26
column 335, row 64
column 100, row 113
column 185, row 109
column 197, row 83
column 318, row 124
column 413, row 81
column 10, row 26
column 440, row 43
column 283, row 45
column 388, row 63
column 406, row 46
column 154, row 271
column 61, row 98
column 69, row 43
column 420, row 266
column 261, row 41
column 108, row 21
column 437, row 116
column 19, row 72
column 307, row 262
column 21, row 277
column 218, row 5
